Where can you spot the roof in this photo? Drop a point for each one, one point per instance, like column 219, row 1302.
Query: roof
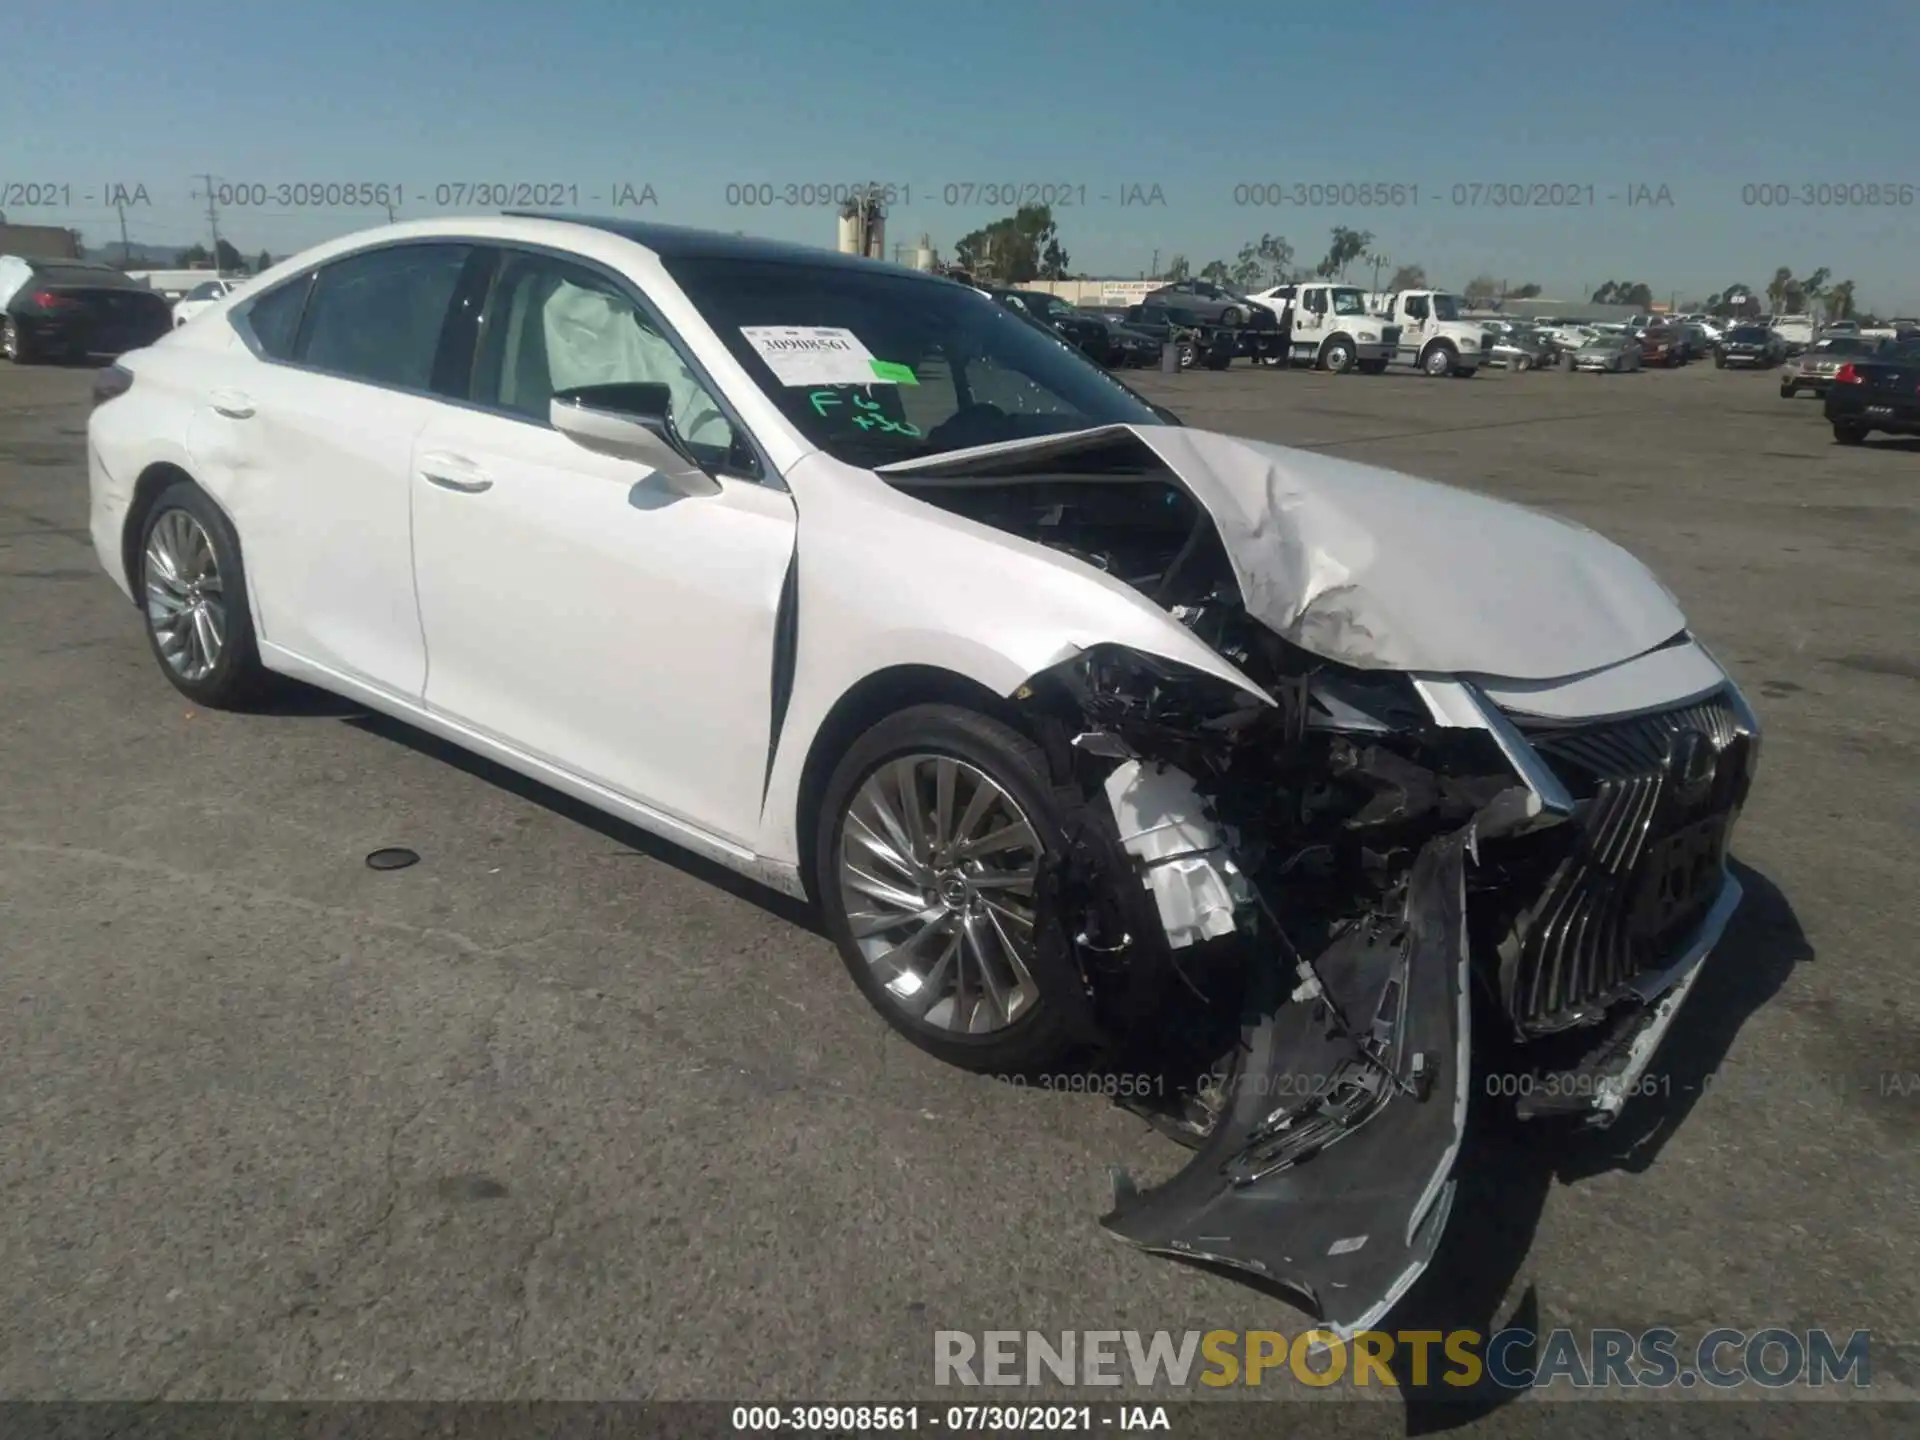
column 680, row 242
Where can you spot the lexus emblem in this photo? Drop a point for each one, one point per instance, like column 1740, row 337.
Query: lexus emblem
column 1691, row 760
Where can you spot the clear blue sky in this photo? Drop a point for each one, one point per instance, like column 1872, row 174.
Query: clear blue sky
column 1701, row 96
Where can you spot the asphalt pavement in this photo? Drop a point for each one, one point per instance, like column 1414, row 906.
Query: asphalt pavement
column 561, row 1111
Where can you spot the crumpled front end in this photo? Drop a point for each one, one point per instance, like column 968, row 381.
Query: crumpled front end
column 1406, row 808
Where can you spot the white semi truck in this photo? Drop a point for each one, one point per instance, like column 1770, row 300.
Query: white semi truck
column 1433, row 336
column 1334, row 328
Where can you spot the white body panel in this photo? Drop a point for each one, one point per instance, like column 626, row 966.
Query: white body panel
column 579, row 610
column 1417, row 335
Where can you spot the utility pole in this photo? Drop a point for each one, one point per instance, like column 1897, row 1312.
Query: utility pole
column 1155, row 267
column 213, row 221
column 389, row 212
column 126, row 250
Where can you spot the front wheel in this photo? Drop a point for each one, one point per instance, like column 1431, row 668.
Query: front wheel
column 931, row 839
column 1847, row 433
column 1438, row 361
column 1522, row 364
column 1336, row 357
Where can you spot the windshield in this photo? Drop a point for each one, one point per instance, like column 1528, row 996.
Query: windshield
column 950, row 368
column 1348, row 302
column 1445, row 307
column 1844, row 346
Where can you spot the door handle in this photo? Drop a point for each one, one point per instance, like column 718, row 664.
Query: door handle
column 464, row 484
column 454, row 472
column 232, row 404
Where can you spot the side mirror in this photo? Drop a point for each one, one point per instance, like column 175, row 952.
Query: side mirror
column 631, row 422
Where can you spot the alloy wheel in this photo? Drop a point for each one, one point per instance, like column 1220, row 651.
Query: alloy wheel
column 186, row 599
column 937, row 867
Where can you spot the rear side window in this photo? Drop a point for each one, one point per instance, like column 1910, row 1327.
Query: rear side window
column 275, row 316
column 377, row 316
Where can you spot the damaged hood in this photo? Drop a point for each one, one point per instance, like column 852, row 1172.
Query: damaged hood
column 1385, row 571
column 1381, row 570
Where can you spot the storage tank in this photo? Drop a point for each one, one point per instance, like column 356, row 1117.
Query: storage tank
column 923, row 256
column 850, row 233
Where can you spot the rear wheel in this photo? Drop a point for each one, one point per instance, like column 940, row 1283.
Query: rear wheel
column 1372, row 367
column 1847, row 432
column 194, row 591
column 931, row 836
column 13, row 344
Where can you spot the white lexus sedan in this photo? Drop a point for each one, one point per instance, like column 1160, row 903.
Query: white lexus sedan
column 1077, row 724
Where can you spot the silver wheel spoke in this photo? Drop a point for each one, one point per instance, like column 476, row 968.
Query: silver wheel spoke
column 185, row 609
column 864, row 836
column 1016, row 836
column 937, row 866
column 907, row 786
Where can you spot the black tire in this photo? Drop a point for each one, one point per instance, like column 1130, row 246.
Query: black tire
column 237, row 679
column 1233, row 316
column 1219, row 358
column 1788, row 392
column 1437, row 361
column 1042, row 1037
column 14, row 344
column 1337, row 356
column 1848, row 433
column 1372, row 367
column 1189, row 354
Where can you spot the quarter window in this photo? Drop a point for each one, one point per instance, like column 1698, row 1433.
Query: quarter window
column 275, row 316
column 377, row 316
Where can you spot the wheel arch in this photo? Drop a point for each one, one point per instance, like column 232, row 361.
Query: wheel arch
column 154, row 480
column 865, row 704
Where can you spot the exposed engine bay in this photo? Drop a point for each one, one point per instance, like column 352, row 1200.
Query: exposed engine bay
column 1333, row 880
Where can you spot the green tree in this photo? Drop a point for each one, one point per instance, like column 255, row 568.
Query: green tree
column 194, row 255
column 1839, row 298
column 1528, row 291
column 1347, row 247
column 1217, row 272
column 1012, row 249
column 1262, row 263
column 228, row 258
column 1777, row 289
column 1408, row 277
column 1053, row 260
column 1177, row 269
column 1481, row 290
column 262, row 263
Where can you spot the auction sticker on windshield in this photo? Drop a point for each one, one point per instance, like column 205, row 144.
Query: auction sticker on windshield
column 812, row 354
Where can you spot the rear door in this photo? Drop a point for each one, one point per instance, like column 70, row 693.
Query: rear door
column 305, row 432
column 573, row 606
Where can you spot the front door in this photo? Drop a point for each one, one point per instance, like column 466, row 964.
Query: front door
column 573, row 606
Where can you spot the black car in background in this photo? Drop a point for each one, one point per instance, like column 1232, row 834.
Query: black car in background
column 1876, row 392
column 1104, row 339
column 70, row 309
column 1753, row 345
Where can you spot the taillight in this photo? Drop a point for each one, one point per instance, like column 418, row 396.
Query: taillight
column 113, row 381
column 1847, row 375
column 52, row 300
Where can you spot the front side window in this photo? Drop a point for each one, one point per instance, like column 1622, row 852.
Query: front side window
column 1348, row 302
column 552, row 325
column 875, row 367
column 1445, row 307
column 1416, row 307
column 377, row 316
column 212, row 290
